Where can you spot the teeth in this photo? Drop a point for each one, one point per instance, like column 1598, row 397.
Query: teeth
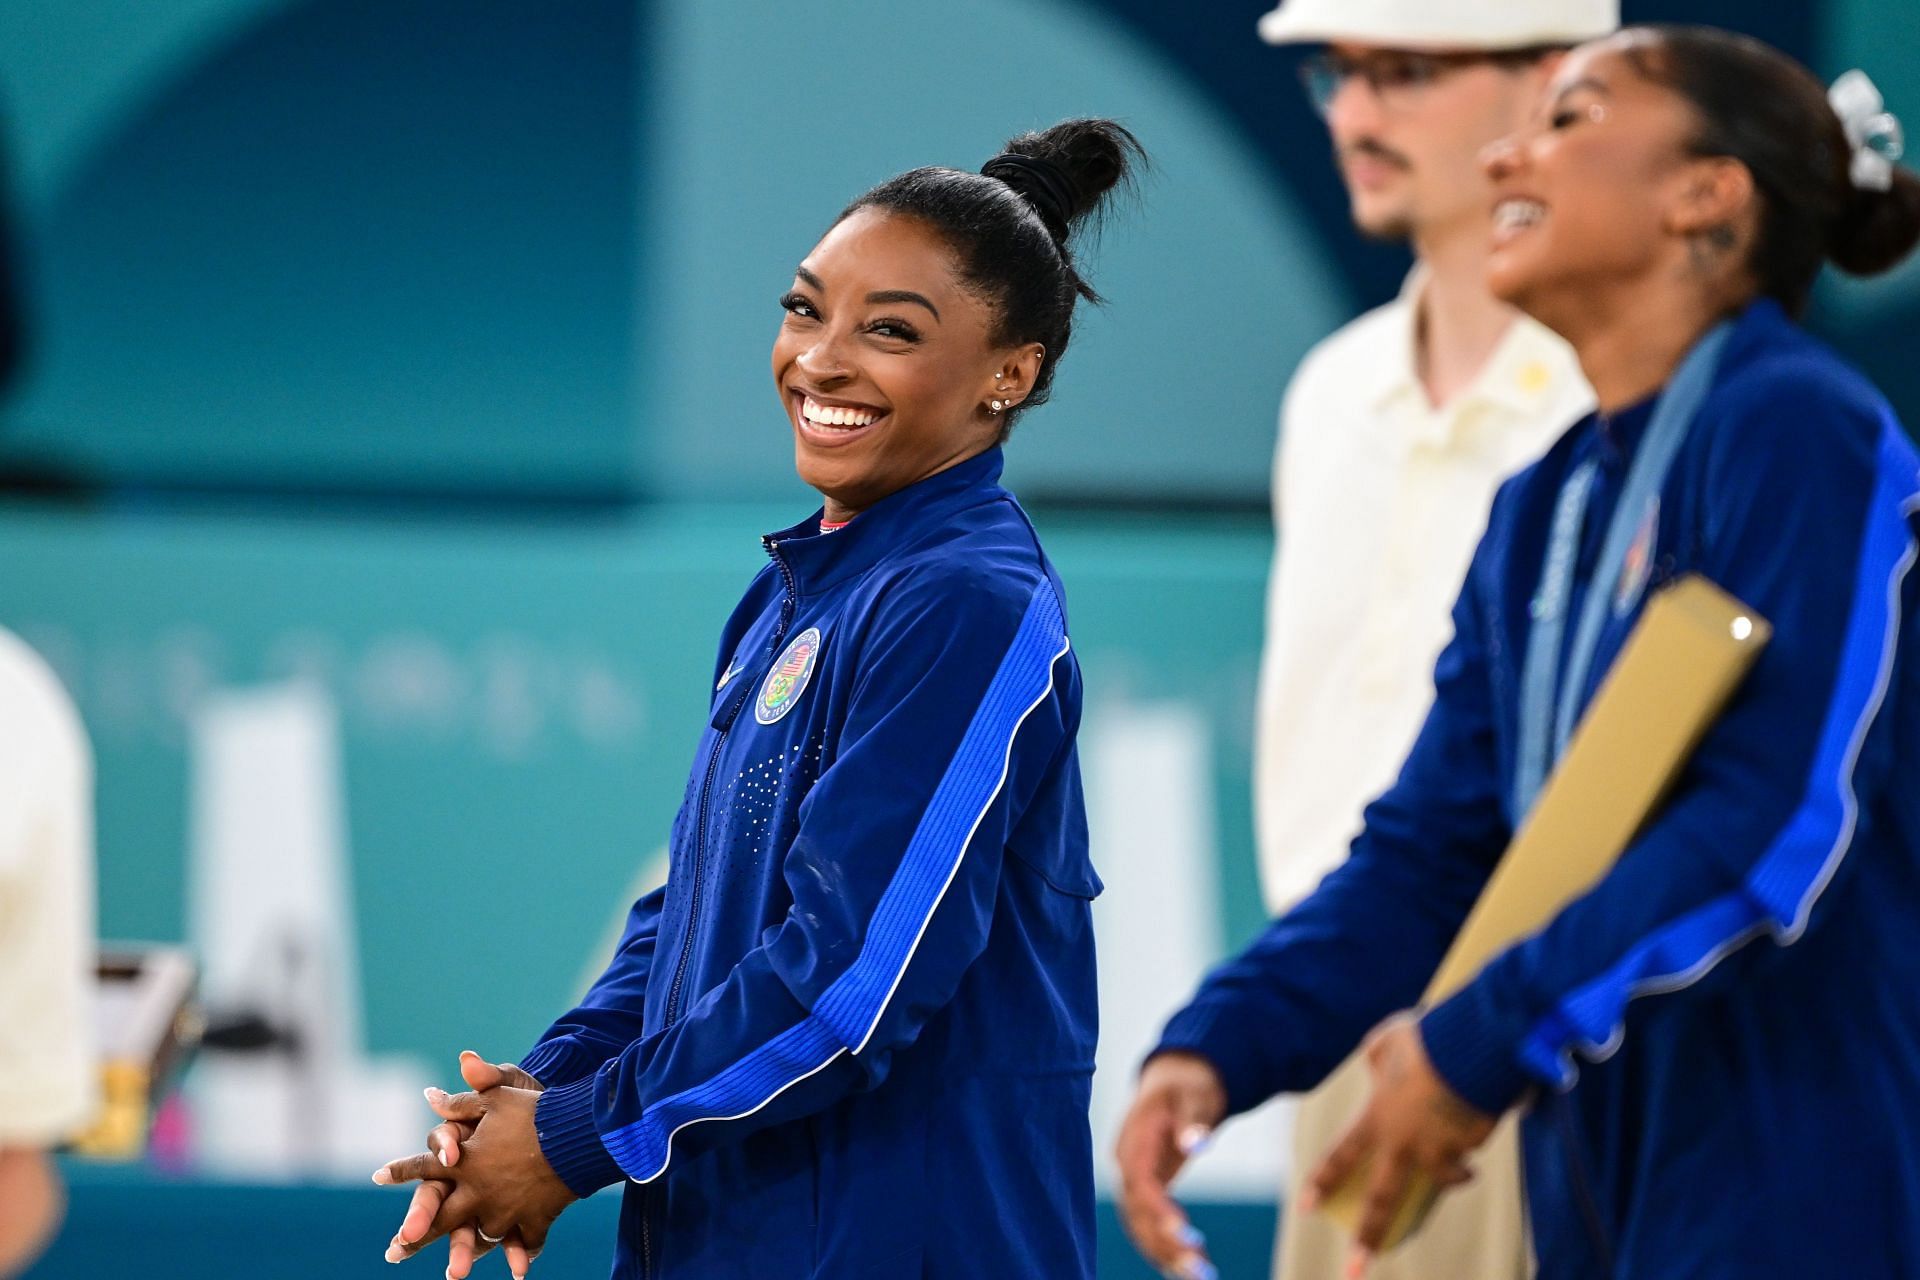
column 1513, row 215
column 827, row 415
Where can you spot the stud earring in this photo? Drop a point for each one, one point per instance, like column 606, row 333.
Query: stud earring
column 994, row 406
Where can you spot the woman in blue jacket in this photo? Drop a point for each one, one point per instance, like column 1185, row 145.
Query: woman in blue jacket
column 1720, row 1043
column 853, row 1035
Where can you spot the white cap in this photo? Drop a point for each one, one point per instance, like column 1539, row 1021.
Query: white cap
column 1440, row 24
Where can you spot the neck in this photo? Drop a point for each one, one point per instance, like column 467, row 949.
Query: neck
column 1459, row 324
column 838, row 508
column 1630, row 339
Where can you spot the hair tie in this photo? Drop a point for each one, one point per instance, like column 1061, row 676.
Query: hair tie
column 1873, row 132
column 1042, row 183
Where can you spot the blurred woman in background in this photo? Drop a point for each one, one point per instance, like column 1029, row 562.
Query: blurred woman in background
column 1721, row 1040
column 853, row 1034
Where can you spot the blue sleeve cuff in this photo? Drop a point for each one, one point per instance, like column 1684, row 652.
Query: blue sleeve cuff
column 563, row 1119
column 563, row 1060
column 1209, row 1032
column 1477, row 1054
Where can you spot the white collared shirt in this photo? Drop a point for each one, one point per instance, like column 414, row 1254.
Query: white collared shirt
column 1379, row 502
column 47, row 1055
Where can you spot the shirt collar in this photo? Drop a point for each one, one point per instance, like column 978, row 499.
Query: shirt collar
column 818, row 560
column 1399, row 358
column 1524, row 375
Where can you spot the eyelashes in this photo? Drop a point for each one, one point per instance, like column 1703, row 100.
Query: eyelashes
column 890, row 327
column 893, row 328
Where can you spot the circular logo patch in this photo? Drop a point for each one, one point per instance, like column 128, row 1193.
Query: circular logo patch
column 789, row 677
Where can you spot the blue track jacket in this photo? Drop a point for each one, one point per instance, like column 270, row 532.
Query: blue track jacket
column 1727, row 1028
column 853, row 1035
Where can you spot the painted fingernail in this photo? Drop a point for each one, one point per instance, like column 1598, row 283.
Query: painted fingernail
column 435, row 1095
column 381, row 1178
column 1201, row 1269
column 446, row 1159
column 1189, row 1236
column 1194, row 1139
column 395, row 1253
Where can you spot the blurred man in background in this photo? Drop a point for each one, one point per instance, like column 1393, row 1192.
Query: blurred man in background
column 1394, row 435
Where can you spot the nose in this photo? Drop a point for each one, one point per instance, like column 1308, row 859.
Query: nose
column 1504, row 158
column 1354, row 109
column 823, row 361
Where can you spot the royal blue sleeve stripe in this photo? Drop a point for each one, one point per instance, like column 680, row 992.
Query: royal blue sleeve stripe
column 1778, row 895
column 844, row 1017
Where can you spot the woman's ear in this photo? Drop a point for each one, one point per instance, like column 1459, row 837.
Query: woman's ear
column 1014, row 376
column 1715, row 192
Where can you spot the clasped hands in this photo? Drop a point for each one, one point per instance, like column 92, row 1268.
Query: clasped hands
column 484, row 1182
column 1412, row 1122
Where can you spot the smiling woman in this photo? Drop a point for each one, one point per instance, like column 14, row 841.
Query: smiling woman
column 853, row 1034
column 936, row 310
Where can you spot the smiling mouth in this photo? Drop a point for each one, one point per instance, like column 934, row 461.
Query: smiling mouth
column 1515, row 215
column 833, row 423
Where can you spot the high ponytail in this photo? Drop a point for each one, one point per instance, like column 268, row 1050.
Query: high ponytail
column 1015, row 225
column 1876, row 230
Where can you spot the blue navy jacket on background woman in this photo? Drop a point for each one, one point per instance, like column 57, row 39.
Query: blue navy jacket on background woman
column 1731, row 1000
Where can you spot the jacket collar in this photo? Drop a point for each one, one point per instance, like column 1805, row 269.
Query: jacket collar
column 817, row 560
column 1757, row 325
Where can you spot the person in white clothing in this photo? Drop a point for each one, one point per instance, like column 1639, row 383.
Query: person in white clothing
column 1394, row 435
column 46, row 945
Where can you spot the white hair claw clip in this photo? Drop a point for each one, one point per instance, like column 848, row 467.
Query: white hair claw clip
column 1873, row 132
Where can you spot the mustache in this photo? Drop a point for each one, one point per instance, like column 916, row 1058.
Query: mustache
column 1375, row 149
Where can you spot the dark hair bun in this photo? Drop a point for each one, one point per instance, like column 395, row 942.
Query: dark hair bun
column 1095, row 157
column 1877, row 229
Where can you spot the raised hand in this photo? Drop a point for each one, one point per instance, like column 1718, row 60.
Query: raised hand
column 444, row 1143
column 1178, row 1103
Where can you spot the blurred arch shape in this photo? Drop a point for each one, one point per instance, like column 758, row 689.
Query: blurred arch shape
column 504, row 250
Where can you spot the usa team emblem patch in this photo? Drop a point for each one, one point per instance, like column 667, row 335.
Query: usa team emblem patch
column 789, row 677
column 1637, row 568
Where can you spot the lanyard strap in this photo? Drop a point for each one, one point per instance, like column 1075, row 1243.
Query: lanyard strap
column 1552, row 695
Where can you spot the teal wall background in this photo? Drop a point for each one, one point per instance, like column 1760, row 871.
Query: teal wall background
column 518, row 703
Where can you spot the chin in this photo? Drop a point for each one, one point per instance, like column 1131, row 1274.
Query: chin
column 1506, row 284
column 1380, row 220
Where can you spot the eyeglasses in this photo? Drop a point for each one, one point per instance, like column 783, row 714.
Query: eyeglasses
column 1394, row 75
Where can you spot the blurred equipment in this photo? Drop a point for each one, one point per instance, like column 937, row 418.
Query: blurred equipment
column 284, row 1090
column 146, row 1027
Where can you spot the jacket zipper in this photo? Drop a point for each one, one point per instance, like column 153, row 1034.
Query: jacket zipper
column 787, row 606
column 646, row 1234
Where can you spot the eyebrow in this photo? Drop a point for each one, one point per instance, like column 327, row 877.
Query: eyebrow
column 903, row 295
column 879, row 296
